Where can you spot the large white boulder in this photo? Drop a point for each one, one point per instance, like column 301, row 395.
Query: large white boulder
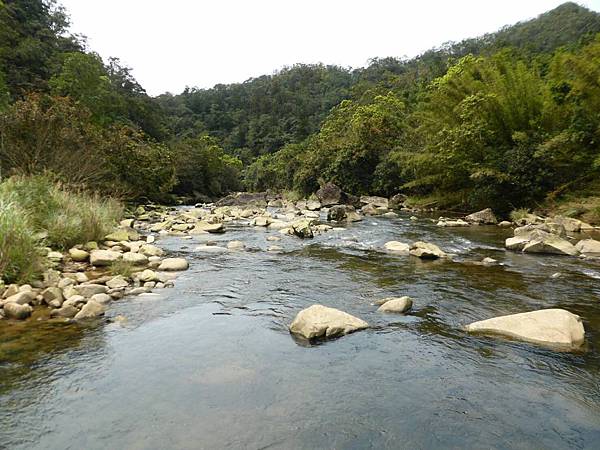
column 551, row 327
column 320, row 321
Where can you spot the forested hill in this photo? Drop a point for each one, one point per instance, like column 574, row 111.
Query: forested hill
column 263, row 114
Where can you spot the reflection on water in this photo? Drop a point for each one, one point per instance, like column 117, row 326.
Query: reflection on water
column 210, row 364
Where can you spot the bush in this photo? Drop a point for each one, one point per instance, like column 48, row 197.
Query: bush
column 64, row 217
column 20, row 258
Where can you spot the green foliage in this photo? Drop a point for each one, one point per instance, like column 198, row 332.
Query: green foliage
column 43, row 133
column 83, row 78
column 33, row 34
column 64, row 216
column 202, row 166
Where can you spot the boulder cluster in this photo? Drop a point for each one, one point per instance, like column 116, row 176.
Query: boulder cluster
column 83, row 281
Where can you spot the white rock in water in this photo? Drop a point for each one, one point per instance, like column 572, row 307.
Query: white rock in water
column 555, row 246
column 551, row 327
column 320, row 321
column 397, row 247
column 173, row 265
column 588, row 247
column 236, row 245
column 425, row 250
column 395, row 305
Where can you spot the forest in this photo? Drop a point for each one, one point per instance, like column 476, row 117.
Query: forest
column 507, row 120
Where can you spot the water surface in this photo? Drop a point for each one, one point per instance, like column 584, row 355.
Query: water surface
column 210, row 364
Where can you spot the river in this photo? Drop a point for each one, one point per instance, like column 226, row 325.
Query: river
column 210, row 364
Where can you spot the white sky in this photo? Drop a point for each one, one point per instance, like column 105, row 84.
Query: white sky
column 177, row 43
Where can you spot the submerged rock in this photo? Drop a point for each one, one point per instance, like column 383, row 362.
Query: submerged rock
column 551, row 327
column 395, row 305
column 319, row 321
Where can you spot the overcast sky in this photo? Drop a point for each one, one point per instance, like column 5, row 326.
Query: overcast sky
column 178, row 43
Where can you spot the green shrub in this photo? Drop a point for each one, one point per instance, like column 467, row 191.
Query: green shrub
column 20, row 258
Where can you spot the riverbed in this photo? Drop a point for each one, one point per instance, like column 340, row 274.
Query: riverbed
column 210, row 363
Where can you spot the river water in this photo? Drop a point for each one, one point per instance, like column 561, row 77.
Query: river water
column 210, row 364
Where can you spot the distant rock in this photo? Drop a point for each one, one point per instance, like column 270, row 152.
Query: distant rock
column 378, row 202
column 553, row 327
column 329, row 195
column 483, row 217
column 397, row 201
column 444, row 222
column 319, row 321
column 236, row 245
column 258, row 199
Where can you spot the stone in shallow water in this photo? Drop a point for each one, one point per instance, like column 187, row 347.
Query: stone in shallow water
column 173, row 264
column 397, row 247
column 91, row 310
column 550, row 327
column 320, row 321
column 395, row 305
column 16, row 311
column 425, row 250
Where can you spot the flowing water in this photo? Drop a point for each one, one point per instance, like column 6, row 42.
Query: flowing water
column 210, row 364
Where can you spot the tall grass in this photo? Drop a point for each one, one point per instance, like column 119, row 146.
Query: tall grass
column 20, row 258
column 59, row 216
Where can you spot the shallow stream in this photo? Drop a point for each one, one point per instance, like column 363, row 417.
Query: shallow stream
column 210, row 364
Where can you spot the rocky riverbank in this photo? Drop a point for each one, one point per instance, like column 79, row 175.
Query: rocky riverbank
column 84, row 280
